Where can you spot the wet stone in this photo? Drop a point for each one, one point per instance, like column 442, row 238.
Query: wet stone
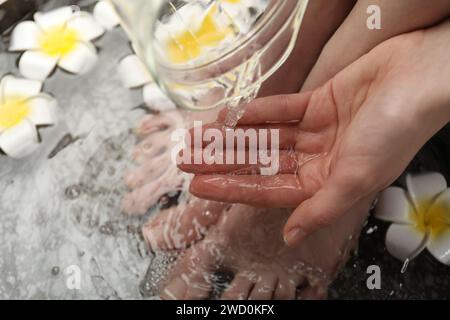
column 111, row 171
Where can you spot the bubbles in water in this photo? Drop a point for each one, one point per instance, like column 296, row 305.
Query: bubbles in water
column 73, row 192
column 55, row 270
column 157, row 273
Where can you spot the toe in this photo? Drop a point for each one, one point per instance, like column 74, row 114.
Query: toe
column 154, row 148
column 190, row 277
column 175, row 290
column 240, row 287
column 157, row 233
column 285, row 290
column 199, row 286
column 264, row 288
column 180, row 227
column 143, row 174
column 152, row 124
column 312, row 293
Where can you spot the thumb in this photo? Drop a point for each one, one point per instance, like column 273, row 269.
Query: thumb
column 339, row 193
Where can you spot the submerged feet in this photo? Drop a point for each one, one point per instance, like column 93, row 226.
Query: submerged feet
column 154, row 175
column 247, row 242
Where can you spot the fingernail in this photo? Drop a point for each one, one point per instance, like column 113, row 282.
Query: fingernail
column 294, row 236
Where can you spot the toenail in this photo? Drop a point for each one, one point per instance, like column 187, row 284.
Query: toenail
column 294, row 236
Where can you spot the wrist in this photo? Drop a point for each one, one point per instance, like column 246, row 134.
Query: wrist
column 438, row 75
column 428, row 77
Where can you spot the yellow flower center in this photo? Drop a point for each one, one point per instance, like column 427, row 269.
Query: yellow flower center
column 13, row 111
column 190, row 43
column 433, row 218
column 58, row 41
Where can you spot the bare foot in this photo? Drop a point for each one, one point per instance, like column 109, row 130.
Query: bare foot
column 247, row 242
column 179, row 227
column 155, row 174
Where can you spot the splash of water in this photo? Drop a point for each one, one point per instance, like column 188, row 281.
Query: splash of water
column 405, row 266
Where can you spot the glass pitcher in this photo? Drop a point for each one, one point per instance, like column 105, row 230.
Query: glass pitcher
column 212, row 53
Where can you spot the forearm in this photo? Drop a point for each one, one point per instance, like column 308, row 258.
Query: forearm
column 311, row 40
column 354, row 39
column 433, row 57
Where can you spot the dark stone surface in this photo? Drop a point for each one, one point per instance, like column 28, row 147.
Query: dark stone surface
column 425, row 277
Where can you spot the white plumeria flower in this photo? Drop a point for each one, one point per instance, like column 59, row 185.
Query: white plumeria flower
column 22, row 108
column 59, row 37
column 134, row 74
column 106, row 15
column 420, row 216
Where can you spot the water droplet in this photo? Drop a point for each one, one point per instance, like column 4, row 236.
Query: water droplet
column 107, row 229
column 405, row 266
column 55, row 270
column 73, row 192
column 372, row 230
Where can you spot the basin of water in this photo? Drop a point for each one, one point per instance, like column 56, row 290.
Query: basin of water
column 61, row 209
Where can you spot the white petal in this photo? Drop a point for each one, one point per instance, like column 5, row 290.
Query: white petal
column 11, row 86
column 444, row 200
column 439, row 247
column 403, row 241
column 425, row 187
column 136, row 49
column 106, row 15
column 133, row 72
column 54, row 18
column 25, row 36
column 19, row 141
column 393, row 205
column 37, row 65
column 43, row 110
column 81, row 60
column 156, row 99
column 85, row 26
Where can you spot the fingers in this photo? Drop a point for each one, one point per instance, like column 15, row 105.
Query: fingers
column 342, row 190
column 281, row 191
column 251, row 163
column 280, row 108
column 232, row 138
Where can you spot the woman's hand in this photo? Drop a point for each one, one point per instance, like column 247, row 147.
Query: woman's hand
column 353, row 136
